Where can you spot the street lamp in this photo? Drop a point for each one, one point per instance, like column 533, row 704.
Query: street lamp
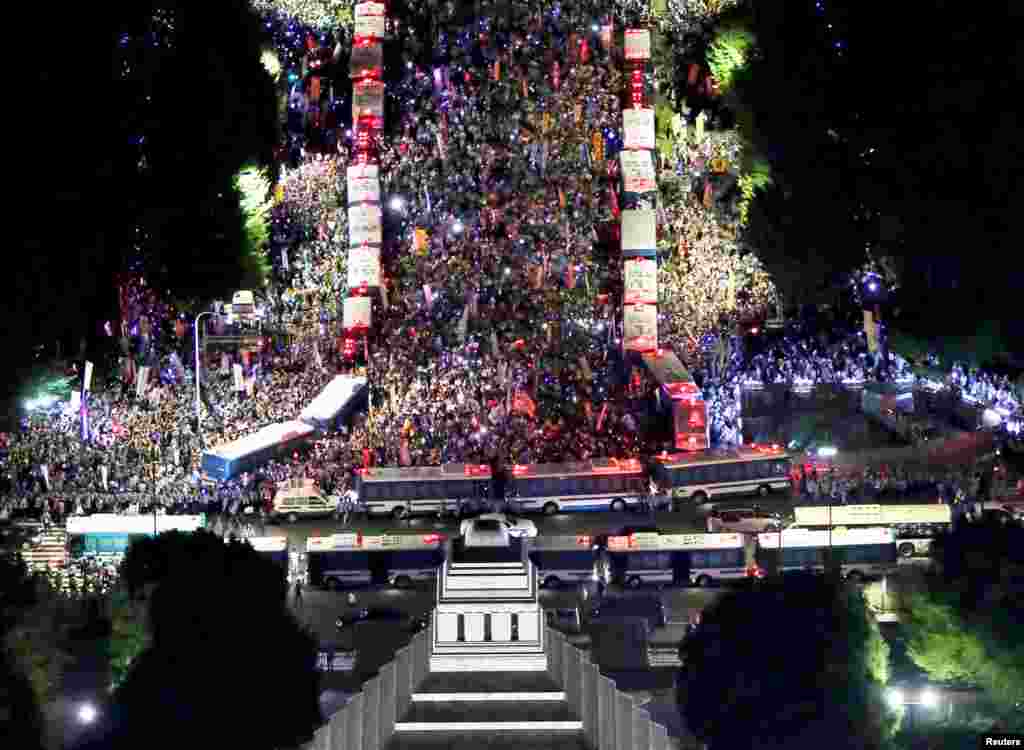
column 86, row 713
column 200, row 315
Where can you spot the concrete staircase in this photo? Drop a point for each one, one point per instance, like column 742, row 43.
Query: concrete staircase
column 469, row 711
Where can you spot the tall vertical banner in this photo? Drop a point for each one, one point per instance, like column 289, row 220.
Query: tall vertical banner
column 639, row 219
column 239, row 380
column 87, row 382
column 871, row 331
column 104, row 475
column 141, row 381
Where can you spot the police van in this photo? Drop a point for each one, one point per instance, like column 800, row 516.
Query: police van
column 295, row 500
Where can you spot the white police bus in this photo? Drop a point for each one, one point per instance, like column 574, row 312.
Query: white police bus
column 915, row 526
column 561, row 560
column 679, row 559
column 749, row 469
column 348, row 560
column 409, row 490
column 108, row 535
column 860, row 553
column 598, row 484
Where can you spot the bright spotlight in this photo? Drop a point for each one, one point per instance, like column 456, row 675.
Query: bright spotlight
column 457, row 227
column 397, row 204
column 827, row 452
column 873, row 286
column 87, row 713
column 894, row 697
column 929, row 698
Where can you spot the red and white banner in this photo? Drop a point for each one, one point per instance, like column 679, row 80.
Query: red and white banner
column 363, row 182
column 363, row 266
column 640, row 324
column 641, row 281
column 358, row 313
column 639, row 230
column 365, row 225
column 638, row 128
column 638, row 44
column 637, row 171
column 370, row 20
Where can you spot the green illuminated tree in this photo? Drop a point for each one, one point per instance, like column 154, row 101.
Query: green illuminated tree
column 729, row 53
column 966, row 625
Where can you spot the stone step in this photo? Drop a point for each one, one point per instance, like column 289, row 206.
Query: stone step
column 501, row 663
column 512, row 712
column 447, row 685
column 506, row 740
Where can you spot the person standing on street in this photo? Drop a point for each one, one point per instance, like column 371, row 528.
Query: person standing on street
column 298, row 593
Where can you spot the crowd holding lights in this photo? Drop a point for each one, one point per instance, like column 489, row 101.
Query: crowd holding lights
column 486, row 297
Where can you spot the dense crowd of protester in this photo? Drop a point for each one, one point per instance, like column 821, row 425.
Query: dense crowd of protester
column 141, row 455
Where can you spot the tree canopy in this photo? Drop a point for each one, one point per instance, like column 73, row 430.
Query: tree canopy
column 23, row 684
column 221, row 640
column 169, row 99
column 965, row 626
column 798, row 663
column 881, row 140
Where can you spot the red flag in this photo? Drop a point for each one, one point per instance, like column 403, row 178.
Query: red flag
column 404, row 458
column 366, row 458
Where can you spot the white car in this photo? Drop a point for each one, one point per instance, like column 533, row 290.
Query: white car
column 743, row 521
column 485, row 532
column 517, row 527
column 483, row 525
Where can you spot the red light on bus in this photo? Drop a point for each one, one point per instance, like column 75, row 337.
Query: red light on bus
column 619, row 542
column 476, row 470
column 584, row 540
column 433, row 538
column 519, row 470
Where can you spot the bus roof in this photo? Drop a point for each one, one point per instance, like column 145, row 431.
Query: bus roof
column 793, row 537
column 562, row 542
column 148, row 523
column 579, row 468
column 753, row 452
column 270, row 435
column 669, row 372
column 655, row 541
column 268, row 543
column 447, row 472
column 872, row 515
column 335, row 396
column 355, row 542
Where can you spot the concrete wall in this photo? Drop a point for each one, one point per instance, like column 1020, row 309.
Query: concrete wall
column 611, row 720
column 367, row 722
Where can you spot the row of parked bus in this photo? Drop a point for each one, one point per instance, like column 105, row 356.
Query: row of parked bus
column 348, row 560
column 597, row 484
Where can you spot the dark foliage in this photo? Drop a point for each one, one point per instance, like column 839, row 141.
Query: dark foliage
column 223, row 641
column 884, row 138
column 791, row 664
column 143, row 114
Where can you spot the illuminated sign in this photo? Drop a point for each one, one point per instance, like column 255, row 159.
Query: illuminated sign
column 867, row 515
column 793, row 537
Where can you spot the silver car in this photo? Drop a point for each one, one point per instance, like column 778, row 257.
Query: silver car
column 743, row 521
